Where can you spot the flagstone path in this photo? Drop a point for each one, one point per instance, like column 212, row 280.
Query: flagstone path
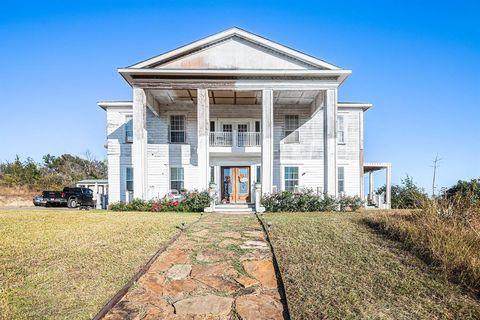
column 220, row 268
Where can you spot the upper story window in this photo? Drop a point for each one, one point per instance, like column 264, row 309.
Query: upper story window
column 177, row 129
column 129, row 129
column 291, row 178
column 341, row 129
column 257, row 126
column 292, row 123
column 341, row 179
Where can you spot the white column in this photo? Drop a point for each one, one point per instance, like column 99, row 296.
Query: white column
column 330, row 142
column 267, row 141
column 388, row 178
column 370, row 185
column 139, row 145
column 203, row 119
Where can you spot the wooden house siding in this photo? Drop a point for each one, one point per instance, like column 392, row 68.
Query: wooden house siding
column 349, row 153
column 161, row 155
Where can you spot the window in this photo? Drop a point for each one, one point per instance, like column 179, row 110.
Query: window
column 212, row 174
column 341, row 179
column 129, row 129
column 176, row 179
column 129, row 179
column 257, row 126
column 259, row 174
column 291, row 178
column 341, row 129
column 291, row 126
column 227, row 128
column 212, row 126
column 177, row 129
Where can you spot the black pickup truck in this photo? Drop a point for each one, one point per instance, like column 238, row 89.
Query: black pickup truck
column 70, row 197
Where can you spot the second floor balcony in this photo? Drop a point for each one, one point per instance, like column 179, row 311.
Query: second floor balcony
column 235, row 139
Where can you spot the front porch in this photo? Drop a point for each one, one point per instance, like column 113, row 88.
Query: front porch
column 379, row 200
column 256, row 130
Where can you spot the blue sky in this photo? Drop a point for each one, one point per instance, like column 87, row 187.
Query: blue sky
column 419, row 64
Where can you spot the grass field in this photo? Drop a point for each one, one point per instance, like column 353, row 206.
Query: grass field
column 65, row 264
column 336, row 267
column 451, row 242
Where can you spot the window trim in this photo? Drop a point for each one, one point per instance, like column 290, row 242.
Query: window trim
column 344, row 140
column 170, row 128
column 128, row 118
column 170, row 177
column 296, row 132
column 284, row 180
column 129, row 180
column 342, row 180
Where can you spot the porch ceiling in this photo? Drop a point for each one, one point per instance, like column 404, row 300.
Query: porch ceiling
column 230, row 97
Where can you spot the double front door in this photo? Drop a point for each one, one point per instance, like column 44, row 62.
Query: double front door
column 235, row 184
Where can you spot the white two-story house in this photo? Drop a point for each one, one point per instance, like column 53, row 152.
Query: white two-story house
column 235, row 111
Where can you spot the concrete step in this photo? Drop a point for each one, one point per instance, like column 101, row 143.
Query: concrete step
column 227, row 208
column 240, row 205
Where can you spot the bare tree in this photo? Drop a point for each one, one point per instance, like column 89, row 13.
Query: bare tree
column 436, row 164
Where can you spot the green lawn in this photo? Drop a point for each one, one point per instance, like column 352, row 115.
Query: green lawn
column 66, row 264
column 335, row 267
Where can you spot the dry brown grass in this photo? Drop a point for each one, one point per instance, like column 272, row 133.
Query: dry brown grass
column 66, row 264
column 445, row 234
column 16, row 196
column 335, row 267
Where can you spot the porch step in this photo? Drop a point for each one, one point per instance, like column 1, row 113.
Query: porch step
column 243, row 208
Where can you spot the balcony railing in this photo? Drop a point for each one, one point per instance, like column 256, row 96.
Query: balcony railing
column 221, row 139
column 238, row 139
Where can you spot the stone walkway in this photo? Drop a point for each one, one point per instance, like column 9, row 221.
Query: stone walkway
column 221, row 268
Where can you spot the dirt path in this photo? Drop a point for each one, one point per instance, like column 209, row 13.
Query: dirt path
column 221, row 268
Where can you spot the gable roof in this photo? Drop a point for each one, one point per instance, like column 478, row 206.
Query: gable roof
column 233, row 39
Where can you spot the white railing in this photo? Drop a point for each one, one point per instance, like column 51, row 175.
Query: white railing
column 239, row 139
column 221, row 139
column 248, row 139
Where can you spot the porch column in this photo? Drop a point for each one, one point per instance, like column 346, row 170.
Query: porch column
column 330, row 142
column 139, row 145
column 370, row 185
column 388, row 178
column 203, row 119
column 267, row 141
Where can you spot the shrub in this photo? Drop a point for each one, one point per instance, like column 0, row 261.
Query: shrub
column 468, row 190
column 328, row 203
column 118, row 206
column 352, row 203
column 407, row 195
column 307, row 201
column 193, row 202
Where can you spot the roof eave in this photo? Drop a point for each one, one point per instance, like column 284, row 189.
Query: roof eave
column 118, row 104
column 362, row 105
column 127, row 73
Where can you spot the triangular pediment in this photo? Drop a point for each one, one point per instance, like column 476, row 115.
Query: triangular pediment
column 235, row 49
column 236, row 53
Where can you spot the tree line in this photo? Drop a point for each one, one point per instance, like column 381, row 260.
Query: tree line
column 407, row 195
column 53, row 172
